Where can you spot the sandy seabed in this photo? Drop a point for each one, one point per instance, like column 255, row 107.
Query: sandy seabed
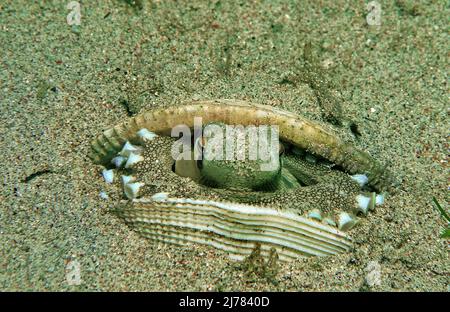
column 62, row 86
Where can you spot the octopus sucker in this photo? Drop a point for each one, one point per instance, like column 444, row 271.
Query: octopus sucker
column 315, row 192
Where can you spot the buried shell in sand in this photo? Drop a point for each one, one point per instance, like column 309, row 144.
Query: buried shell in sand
column 307, row 211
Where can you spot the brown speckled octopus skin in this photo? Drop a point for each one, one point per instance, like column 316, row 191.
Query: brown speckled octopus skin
column 333, row 191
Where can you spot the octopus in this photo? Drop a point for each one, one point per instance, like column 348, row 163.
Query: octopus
column 303, row 204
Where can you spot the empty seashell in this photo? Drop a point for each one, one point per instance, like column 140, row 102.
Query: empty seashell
column 232, row 227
